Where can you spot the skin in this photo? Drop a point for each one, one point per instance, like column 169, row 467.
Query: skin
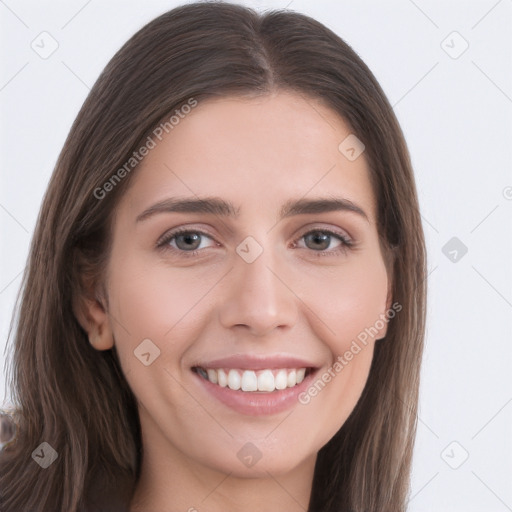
column 257, row 153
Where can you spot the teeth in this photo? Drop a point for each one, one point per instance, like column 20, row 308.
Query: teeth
column 222, row 378
column 212, row 376
column 291, row 379
column 234, row 380
column 266, row 381
column 281, row 379
column 249, row 380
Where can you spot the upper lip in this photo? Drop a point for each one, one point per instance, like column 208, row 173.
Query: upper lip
column 253, row 362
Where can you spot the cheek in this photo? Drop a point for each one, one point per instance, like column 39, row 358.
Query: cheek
column 161, row 304
column 167, row 307
column 351, row 303
column 350, row 309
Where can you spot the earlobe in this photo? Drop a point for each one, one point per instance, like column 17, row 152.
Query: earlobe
column 94, row 319
column 102, row 338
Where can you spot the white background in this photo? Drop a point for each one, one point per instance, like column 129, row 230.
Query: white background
column 456, row 114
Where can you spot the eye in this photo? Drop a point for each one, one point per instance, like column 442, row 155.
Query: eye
column 319, row 240
column 185, row 240
column 189, row 242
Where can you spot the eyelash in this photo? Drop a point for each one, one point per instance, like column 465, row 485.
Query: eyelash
column 163, row 242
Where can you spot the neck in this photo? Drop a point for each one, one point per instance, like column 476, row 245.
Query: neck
column 171, row 481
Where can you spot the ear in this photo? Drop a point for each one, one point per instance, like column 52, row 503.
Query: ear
column 389, row 298
column 389, row 261
column 92, row 315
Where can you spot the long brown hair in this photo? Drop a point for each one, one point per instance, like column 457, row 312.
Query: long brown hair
column 76, row 398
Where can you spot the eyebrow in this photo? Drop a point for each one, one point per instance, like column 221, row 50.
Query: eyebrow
column 220, row 207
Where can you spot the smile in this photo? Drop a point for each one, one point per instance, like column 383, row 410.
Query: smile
column 265, row 380
column 255, row 385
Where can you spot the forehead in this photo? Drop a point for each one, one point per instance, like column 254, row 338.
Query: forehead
column 268, row 148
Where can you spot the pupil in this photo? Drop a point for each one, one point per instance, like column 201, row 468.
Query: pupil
column 189, row 238
column 322, row 238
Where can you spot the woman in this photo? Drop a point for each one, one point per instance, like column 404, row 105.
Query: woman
column 275, row 364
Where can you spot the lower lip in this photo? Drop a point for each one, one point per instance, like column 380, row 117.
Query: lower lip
column 257, row 403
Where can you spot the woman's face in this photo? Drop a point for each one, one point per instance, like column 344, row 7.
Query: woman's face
column 270, row 284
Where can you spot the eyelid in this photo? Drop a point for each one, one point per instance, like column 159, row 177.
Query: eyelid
column 314, row 226
column 171, row 233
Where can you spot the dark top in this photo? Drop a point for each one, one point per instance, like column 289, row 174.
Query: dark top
column 103, row 497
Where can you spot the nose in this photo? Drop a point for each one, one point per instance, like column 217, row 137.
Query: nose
column 258, row 298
